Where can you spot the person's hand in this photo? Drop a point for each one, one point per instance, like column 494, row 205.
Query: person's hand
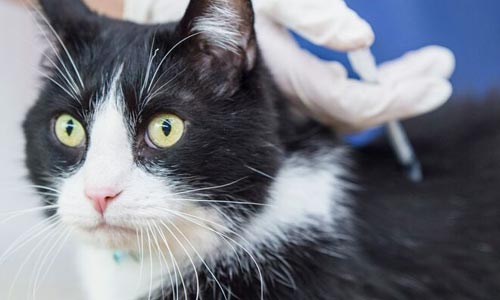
column 411, row 85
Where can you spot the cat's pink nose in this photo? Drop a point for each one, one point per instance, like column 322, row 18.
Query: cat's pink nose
column 102, row 197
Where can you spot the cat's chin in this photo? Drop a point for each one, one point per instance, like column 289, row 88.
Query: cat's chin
column 109, row 236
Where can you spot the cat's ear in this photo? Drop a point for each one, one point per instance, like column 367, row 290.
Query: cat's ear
column 66, row 16
column 222, row 33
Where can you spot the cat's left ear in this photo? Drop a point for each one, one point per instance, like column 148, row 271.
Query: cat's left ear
column 222, row 33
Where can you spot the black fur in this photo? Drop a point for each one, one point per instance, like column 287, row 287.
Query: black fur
column 439, row 239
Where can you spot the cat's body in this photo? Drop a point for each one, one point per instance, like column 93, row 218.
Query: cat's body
column 390, row 239
column 253, row 200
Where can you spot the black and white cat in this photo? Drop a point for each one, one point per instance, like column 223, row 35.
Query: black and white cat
column 170, row 144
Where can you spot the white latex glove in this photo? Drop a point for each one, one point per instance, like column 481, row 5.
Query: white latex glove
column 412, row 85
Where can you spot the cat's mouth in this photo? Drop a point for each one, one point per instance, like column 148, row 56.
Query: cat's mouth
column 109, row 228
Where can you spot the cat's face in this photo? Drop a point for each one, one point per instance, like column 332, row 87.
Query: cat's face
column 143, row 130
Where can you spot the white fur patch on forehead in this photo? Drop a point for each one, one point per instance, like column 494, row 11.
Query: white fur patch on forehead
column 220, row 25
column 109, row 156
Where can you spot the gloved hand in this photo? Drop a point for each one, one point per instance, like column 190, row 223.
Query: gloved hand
column 411, row 85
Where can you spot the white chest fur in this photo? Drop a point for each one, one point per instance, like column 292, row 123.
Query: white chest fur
column 106, row 279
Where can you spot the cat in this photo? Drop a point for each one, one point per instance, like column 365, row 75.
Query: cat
column 187, row 175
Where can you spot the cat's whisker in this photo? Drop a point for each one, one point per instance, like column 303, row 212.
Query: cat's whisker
column 55, row 256
column 196, row 252
column 176, row 265
column 190, row 218
column 163, row 260
column 53, row 47
column 43, row 263
column 148, row 68
column 156, row 90
column 54, row 32
column 14, row 248
column 159, row 90
column 167, row 55
column 260, row 172
column 29, row 232
column 70, row 84
column 30, row 255
column 219, row 202
column 211, row 188
column 47, row 188
column 18, row 213
column 58, row 84
column 141, row 253
column 150, row 264
column 188, row 256
column 47, row 194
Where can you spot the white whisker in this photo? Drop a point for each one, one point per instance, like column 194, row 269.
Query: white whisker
column 150, row 265
column 210, row 188
column 260, row 172
column 62, row 45
column 219, row 201
column 59, row 85
column 57, row 244
column 197, row 253
column 26, row 211
column 190, row 218
column 168, row 53
column 176, row 266
column 188, row 256
column 28, row 257
column 42, row 187
column 14, row 248
column 53, row 47
column 162, row 259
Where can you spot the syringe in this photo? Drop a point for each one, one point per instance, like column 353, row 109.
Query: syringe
column 364, row 64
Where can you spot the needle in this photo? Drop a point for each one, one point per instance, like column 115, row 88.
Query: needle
column 363, row 62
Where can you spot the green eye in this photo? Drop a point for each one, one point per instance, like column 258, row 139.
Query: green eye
column 165, row 130
column 69, row 131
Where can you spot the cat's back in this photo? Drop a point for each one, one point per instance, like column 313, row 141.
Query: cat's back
column 438, row 239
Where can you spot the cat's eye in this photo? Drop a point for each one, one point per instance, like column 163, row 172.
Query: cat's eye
column 69, row 131
column 165, row 130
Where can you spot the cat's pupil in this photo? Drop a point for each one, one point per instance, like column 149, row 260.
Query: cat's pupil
column 70, row 126
column 166, row 127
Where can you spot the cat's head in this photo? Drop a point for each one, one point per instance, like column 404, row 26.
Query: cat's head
column 153, row 130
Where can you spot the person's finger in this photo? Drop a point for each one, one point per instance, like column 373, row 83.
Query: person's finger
column 329, row 23
column 403, row 100
column 292, row 66
column 428, row 61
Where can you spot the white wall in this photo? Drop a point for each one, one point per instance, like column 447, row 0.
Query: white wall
column 19, row 55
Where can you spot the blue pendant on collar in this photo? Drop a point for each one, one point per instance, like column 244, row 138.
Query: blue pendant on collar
column 120, row 256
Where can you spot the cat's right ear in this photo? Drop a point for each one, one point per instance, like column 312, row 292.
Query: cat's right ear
column 67, row 17
column 220, row 37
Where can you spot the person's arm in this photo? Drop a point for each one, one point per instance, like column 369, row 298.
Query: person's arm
column 112, row 8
